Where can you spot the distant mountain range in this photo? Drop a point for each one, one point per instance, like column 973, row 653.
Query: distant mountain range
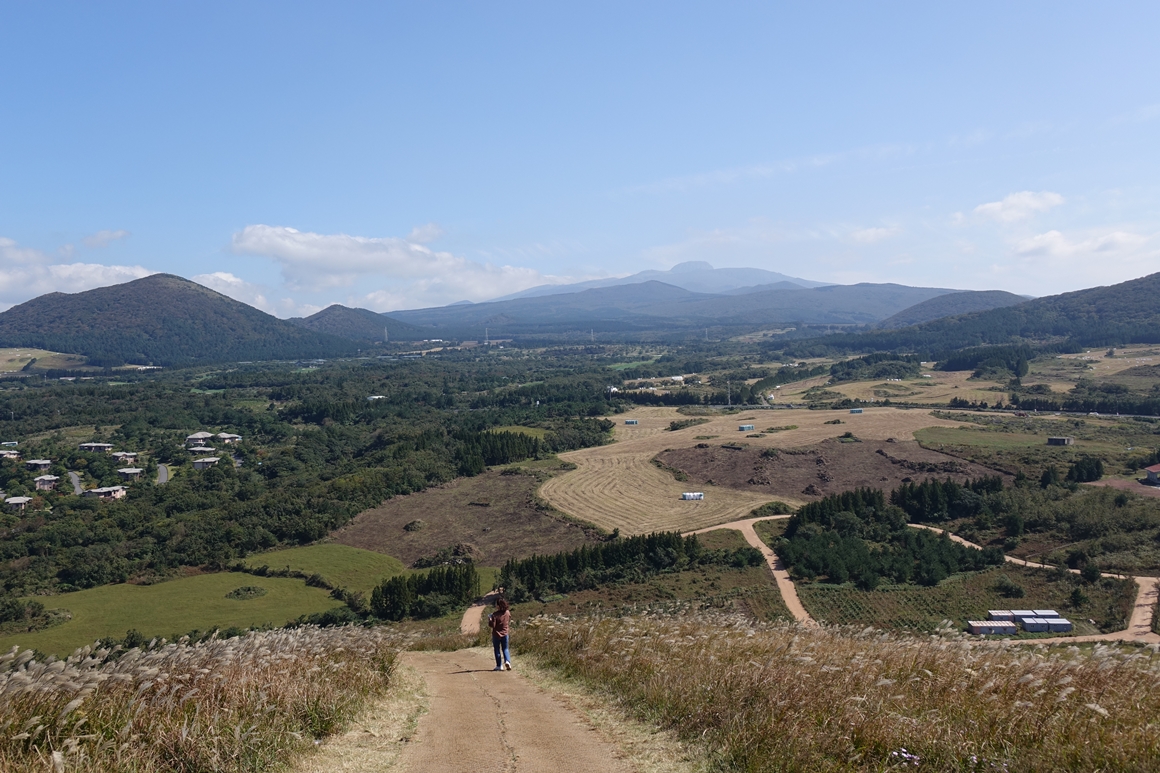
column 695, row 275
column 950, row 305
column 161, row 319
column 358, row 325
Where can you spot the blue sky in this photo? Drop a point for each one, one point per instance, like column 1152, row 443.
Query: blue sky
column 403, row 155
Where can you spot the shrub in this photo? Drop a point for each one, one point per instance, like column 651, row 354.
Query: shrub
column 1008, row 588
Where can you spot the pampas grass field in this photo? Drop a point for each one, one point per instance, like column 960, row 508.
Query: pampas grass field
column 245, row 703
column 783, row 698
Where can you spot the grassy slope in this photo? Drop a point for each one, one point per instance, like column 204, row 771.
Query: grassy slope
column 342, row 565
column 168, row 608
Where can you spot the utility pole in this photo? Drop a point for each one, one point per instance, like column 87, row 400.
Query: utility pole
column 729, row 393
column 485, row 341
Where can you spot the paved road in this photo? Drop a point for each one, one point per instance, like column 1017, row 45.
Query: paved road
column 76, row 483
column 162, row 474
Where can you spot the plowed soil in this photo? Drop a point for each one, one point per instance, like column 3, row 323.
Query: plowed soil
column 495, row 515
column 812, row 472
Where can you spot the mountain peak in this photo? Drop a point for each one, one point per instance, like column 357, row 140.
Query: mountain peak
column 691, row 265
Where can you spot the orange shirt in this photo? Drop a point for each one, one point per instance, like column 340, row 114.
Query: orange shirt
column 500, row 623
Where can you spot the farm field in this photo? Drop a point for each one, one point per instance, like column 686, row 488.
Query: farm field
column 14, row 360
column 751, row 590
column 968, row 597
column 617, row 486
column 343, row 566
column 169, row 608
column 811, row 472
column 939, row 389
column 496, row 516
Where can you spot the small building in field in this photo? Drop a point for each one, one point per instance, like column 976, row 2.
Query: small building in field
column 1004, row 615
column 1035, row 625
column 108, row 492
column 1153, row 473
column 198, row 438
column 1059, row 624
column 130, row 473
column 744, row 427
column 1045, row 613
column 855, row 410
column 227, row 438
column 991, row 627
column 125, row 456
column 631, row 422
column 97, row 448
column 693, row 496
column 46, row 482
column 17, row 504
column 209, row 461
column 1060, row 441
column 38, row 465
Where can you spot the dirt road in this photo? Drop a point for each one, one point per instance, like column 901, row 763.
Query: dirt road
column 469, row 625
column 617, row 486
column 481, row 720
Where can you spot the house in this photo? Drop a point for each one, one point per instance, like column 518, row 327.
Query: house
column 209, row 461
column 202, row 450
column 8, row 453
column 1153, row 473
column 227, row 438
column 102, row 448
column 38, row 465
column 17, row 503
column 1002, row 615
column 130, row 473
column 198, row 438
column 125, row 456
column 46, row 482
column 108, row 492
column 1060, row 441
column 10, row 444
column 1059, row 624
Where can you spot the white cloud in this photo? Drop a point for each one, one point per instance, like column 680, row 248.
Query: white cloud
column 255, row 295
column 1054, row 244
column 11, row 252
column 1019, row 206
column 425, row 234
column 21, row 280
column 871, row 235
column 415, row 275
column 104, row 238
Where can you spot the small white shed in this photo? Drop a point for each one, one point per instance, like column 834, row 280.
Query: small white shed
column 693, row 496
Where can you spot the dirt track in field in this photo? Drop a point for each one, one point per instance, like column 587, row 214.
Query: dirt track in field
column 617, row 486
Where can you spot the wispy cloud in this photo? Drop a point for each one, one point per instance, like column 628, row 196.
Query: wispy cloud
column 1019, row 206
column 1054, row 244
column 26, row 273
column 872, row 235
column 104, row 238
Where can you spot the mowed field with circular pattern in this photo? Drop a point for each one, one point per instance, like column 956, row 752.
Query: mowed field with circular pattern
column 617, row 487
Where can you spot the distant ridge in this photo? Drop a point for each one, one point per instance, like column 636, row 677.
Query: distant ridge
column 161, row 319
column 695, row 275
column 357, row 324
column 950, row 305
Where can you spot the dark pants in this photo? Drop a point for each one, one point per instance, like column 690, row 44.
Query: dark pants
column 500, row 645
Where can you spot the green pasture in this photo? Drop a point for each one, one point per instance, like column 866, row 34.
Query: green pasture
column 627, row 365
column 343, row 566
column 170, row 608
column 535, row 432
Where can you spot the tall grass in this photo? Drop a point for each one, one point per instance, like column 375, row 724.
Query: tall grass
column 245, row 703
column 782, row 698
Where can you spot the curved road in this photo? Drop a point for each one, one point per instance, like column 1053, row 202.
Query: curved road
column 162, row 474
column 76, row 483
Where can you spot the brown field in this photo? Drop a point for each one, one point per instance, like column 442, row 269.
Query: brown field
column 939, row 389
column 812, row 472
column 13, row 360
column 617, row 486
column 496, row 515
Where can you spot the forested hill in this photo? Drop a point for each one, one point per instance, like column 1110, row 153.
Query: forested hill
column 358, row 325
column 950, row 305
column 1124, row 313
column 161, row 319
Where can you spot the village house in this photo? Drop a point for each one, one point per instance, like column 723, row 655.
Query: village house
column 130, row 473
column 102, row 448
column 46, row 482
column 8, row 453
column 209, row 461
column 17, row 504
column 108, row 492
column 1153, row 474
column 227, row 438
column 38, row 465
column 198, row 438
column 125, row 456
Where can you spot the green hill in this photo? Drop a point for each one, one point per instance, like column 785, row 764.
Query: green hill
column 1124, row 313
column 950, row 305
column 161, row 319
column 358, row 325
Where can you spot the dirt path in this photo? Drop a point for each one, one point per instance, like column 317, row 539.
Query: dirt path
column 480, row 720
column 617, row 487
column 784, row 584
column 469, row 625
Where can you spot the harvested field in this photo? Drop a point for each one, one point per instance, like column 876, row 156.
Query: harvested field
column 617, row 486
column 496, row 515
column 1135, row 486
column 812, row 472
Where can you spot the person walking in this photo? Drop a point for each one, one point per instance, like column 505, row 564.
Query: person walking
column 500, row 623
